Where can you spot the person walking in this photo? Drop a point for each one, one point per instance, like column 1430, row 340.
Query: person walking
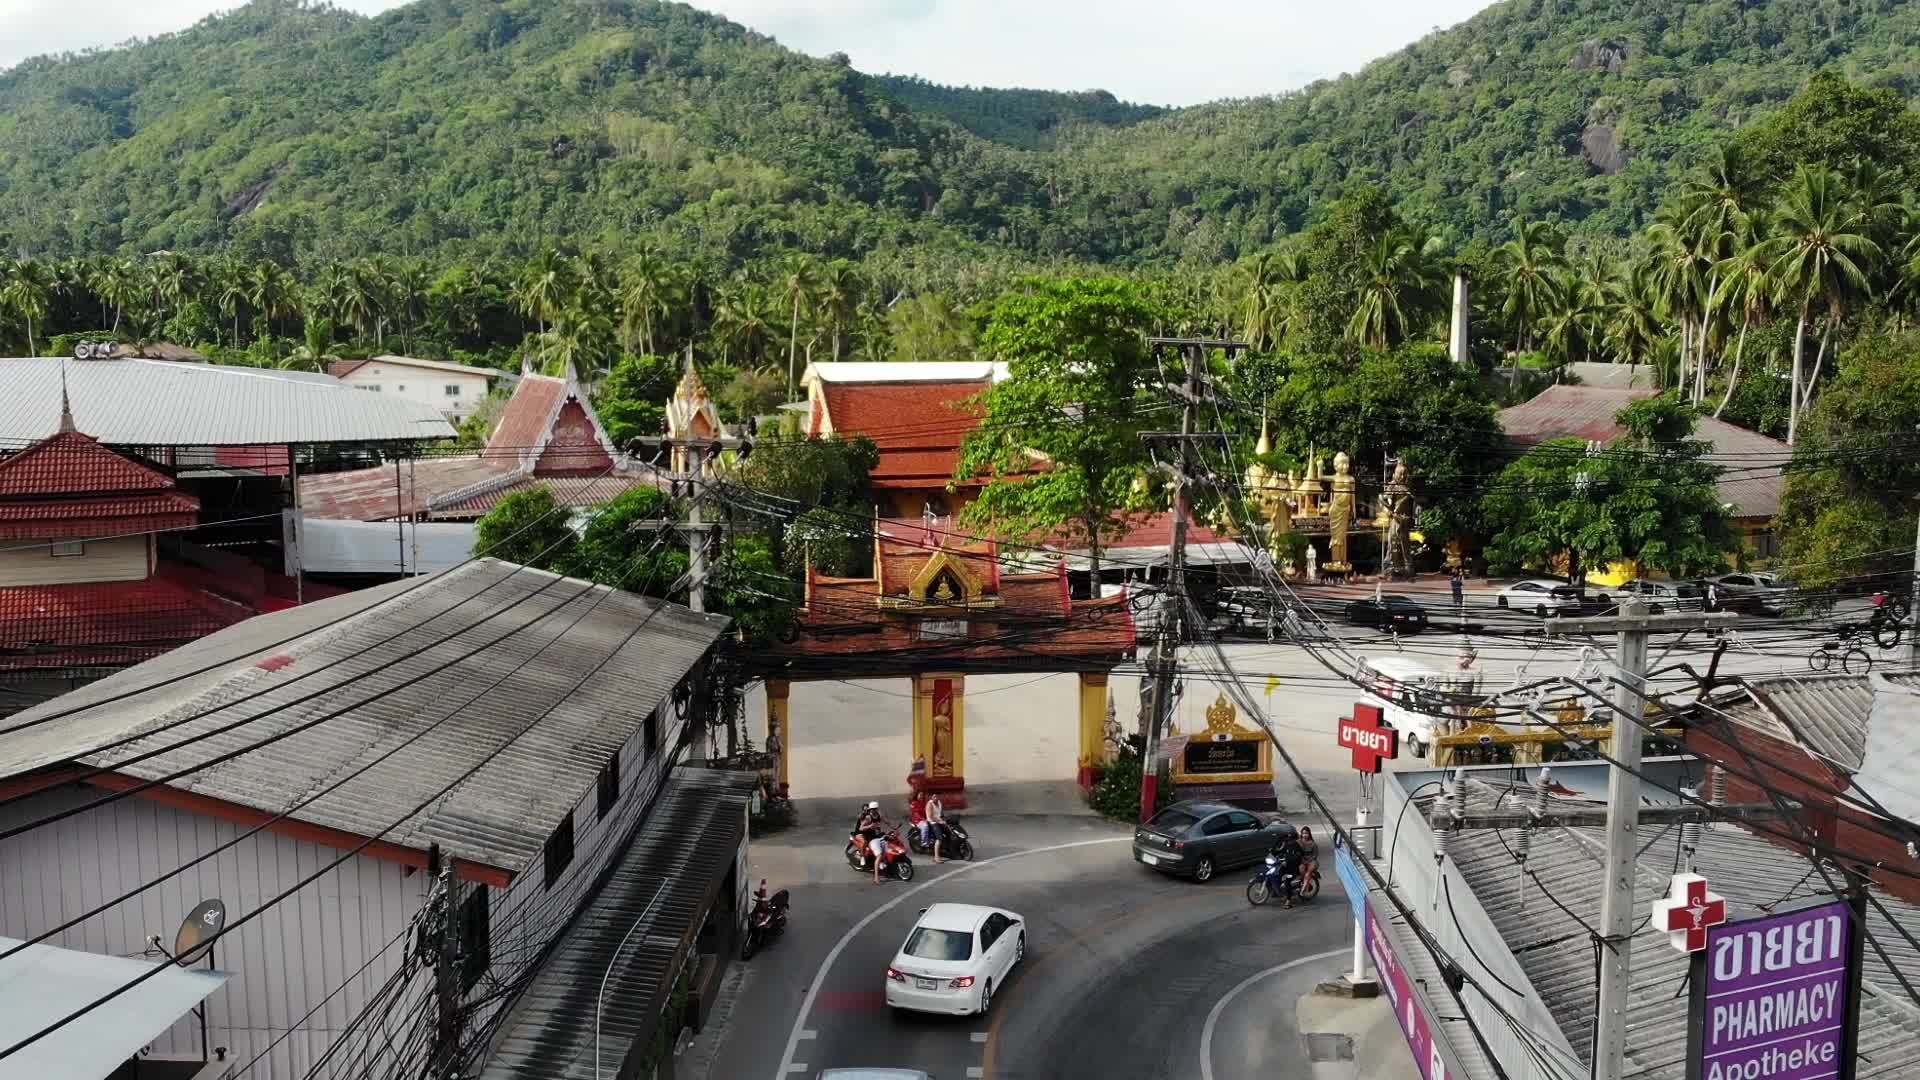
column 1459, row 586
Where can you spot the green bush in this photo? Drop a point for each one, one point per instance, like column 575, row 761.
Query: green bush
column 1116, row 794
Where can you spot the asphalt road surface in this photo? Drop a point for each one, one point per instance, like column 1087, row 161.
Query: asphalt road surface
column 1126, row 970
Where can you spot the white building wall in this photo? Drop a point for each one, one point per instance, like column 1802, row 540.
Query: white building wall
column 428, row 386
column 33, row 562
column 284, row 963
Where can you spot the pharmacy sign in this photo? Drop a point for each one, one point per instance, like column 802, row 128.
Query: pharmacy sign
column 1773, row 994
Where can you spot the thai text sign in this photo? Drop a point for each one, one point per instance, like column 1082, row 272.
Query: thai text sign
column 1776, row 996
column 1406, row 1006
column 1232, row 756
column 1369, row 737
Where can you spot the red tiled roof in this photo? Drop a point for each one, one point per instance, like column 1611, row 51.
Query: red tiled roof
column 74, row 464
column 1035, row 615
column 120, row 515
column 578, row 492
column 523, row 423
column 340, row 369
column 573, row 447
column 1147, row 531
column 104, row 624
column 918, row 427
column 371, row 495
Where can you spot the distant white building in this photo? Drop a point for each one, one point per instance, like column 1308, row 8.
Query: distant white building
column 454, row 389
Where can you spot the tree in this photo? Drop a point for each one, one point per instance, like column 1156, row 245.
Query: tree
column 616, row 550
column 1077, row 392
column 929, row 327
column 632, row 400
column 1399, row 286
column 26, row 290
column 526, row 527
column 1651, row 496
column 1847, row 511
column 797, row 288
column 1528, row 261
column 544, row 287
column 839, row 298
column 1819, row 256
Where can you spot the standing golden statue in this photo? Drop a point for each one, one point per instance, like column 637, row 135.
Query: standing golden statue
column 1340, row 514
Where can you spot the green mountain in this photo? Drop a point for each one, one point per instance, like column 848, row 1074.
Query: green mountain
column 291, row 129
column 1031, row 119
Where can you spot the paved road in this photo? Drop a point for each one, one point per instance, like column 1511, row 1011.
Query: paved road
column 1124, row 966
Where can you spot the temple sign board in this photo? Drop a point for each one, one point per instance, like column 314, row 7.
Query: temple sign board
column 1225, row 753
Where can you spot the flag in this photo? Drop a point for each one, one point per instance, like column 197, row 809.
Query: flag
column 1273, row 683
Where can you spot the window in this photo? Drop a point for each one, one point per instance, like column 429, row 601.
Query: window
column 609, row 785
column 652, row 731
column 375, row 387
column 1242, row 821
column 61, row 549
column 476, row 932
column 927, row 943
column 1219, row 825
column 453, row 389
column 559, row 850
column 401, row 389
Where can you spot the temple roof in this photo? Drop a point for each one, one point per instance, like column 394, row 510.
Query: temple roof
column 68, row 485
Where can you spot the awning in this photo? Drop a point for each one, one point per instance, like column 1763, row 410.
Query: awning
column 41, row 984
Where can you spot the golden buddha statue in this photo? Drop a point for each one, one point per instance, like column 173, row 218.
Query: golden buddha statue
column 1340, row 512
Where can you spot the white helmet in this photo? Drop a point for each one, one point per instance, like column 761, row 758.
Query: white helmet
column 871, row 806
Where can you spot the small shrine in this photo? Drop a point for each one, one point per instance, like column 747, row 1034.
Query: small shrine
column 1321, row 503
column 691, row 417
column 1227, row 761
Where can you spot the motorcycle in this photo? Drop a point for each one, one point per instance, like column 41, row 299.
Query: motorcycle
column 893, row 859
column 956, row 845
column 767, row 920
column 1268, row 882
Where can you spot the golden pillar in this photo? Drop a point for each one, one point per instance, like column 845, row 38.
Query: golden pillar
column 939, row 729
column 779, row 732
column 1093, row 724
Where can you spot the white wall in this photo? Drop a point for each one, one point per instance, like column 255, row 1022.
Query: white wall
column 32, row 562
column 283, row 963
column 427, row 386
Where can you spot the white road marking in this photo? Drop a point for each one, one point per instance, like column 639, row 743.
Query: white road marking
column 813, row 989
column 809, row 1034
column 1213, row 1014
column 980, row 1036
column 796, row 1067
column 975, row 1072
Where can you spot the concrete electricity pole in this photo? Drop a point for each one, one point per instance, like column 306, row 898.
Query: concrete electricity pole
column 1913, row 607
column 1166, row 657
column 1633, row 624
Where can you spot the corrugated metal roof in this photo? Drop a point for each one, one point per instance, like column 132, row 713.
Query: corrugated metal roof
column 503, row 813
column 156, row 403
column 1829, row 710
column 1753, row 464
column 384, row 492
column 682, row 851
column 42, row 985
column 1554, row 946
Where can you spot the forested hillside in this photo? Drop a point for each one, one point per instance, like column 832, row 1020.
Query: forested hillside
column 463, row 128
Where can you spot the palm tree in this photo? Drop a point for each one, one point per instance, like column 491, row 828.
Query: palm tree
column 1819, row 255
column 1747, row 288
column 117, row 283
column 362, row 297
column 645, row 283
column 272, row 292
column 797, row 287
column 1683, row 259
column 407, row 294
column 1633, row 320
column 228, row 279
column 1398, row 284
column 544, row 287
column 1528, row 261
column 739, row 321
column 27, row 290
column 839, row 299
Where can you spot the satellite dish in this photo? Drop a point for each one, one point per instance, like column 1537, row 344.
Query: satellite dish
column 197, row 931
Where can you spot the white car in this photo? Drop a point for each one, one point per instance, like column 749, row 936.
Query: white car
column 1540, row 596
column 954, row 957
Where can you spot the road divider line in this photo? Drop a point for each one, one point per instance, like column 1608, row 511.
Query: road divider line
column 787, row 1066
column 973, row 1072
column 809, row 1034
column 1213, row 1014
column 980, row 1036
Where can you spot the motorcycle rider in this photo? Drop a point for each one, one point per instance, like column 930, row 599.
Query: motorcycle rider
column 1288, row 849
column 870, row 836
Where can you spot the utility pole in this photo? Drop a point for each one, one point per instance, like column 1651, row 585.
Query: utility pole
column 446, row 968
column 1633, row 624
column 1166, row 658
column 1913, row 606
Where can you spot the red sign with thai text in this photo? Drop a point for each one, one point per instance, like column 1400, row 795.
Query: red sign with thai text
column 1366, row 734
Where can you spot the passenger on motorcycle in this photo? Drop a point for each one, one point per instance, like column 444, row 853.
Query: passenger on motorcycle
column 1291, row 853
column 870, row 836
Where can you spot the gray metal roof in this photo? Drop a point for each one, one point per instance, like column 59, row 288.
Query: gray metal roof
column 536, row 636
column 1829, row 711
column 682, row 852
column 135, row 402
column 1554, row 948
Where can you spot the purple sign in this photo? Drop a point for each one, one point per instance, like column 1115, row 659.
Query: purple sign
column 1776, row 996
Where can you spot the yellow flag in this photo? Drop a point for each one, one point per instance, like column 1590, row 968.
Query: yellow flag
column 1273, row 683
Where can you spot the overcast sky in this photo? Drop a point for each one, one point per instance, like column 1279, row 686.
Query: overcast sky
column 1142, row 50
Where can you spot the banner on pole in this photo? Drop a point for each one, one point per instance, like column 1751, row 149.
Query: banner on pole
column 1352, row 879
